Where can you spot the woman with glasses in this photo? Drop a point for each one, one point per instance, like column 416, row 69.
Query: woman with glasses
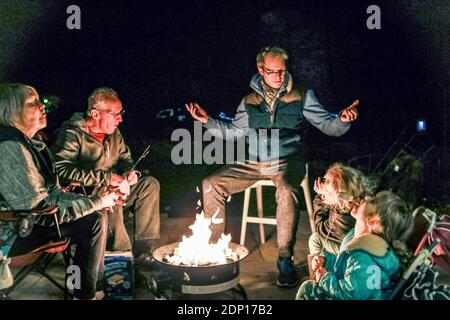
column 28, row 180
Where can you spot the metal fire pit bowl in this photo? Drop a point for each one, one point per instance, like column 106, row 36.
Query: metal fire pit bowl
column 201, row 279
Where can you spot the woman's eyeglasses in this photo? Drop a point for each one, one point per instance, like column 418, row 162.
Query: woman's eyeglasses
column 35, row 103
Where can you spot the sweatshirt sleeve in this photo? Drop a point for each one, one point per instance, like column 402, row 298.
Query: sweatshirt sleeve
column 323, row 120
column 23, row 187
column 230, row 130
column 321, row 216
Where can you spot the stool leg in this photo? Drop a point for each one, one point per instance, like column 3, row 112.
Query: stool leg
column 308, row 201
column 259, row 201
column 245, row 215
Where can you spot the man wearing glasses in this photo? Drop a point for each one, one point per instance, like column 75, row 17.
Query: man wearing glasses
column 90, row 150
column 275, row 108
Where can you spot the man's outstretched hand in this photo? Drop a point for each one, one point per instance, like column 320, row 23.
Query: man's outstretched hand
column 197, row 112
column 350, row 113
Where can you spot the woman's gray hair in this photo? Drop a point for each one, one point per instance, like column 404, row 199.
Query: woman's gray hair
column 270, row 51
column 12, row 101
column 99, row 96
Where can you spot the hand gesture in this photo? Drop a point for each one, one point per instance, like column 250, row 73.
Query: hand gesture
column 350, row 113
column 317, row 262
column 132, row 177
column 320, row 273
column 124, row 188
column 197, row 112
column 318, row 185
column 116, row 180
column 108, row 196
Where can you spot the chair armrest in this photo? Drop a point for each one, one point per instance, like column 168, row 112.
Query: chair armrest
column 53, row 246
column 8, row 216
column 46, row 211
column 14, row 215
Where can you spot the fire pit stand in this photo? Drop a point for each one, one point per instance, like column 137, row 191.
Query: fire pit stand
column 195, row 280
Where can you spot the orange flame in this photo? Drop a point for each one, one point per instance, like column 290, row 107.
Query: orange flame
column 196, row 249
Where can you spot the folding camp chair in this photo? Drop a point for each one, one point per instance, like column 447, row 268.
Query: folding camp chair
column 39, row 258
column 418, row 282
column 427, row 228
column 420, row 263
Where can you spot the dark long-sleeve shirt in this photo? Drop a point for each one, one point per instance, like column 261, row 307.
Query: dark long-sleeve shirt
column 325, row 218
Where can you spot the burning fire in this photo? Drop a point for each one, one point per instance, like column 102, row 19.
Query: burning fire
column 196, row 249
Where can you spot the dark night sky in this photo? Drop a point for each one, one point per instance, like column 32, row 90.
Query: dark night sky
column 160, row 54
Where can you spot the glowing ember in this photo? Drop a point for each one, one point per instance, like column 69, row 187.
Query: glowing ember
column 196, row 249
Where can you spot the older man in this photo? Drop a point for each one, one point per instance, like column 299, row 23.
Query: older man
column 28, row 180
column 272, row 114
column 91, row 150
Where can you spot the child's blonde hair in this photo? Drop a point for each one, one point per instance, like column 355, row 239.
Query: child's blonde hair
column 344, row 187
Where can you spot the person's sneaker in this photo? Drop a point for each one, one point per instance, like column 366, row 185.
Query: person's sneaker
column 287, row 275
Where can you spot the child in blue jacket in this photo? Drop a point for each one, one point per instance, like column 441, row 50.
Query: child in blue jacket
column 338, row 191
column 371, row 255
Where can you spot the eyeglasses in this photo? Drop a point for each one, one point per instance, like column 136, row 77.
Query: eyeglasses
column 279, row 72
column 36, row 103
column 114, row 114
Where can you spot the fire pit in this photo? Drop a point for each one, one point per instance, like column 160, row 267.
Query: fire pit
column 204, row 279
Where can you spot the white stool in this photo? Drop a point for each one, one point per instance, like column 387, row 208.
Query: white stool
column 259, row 200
